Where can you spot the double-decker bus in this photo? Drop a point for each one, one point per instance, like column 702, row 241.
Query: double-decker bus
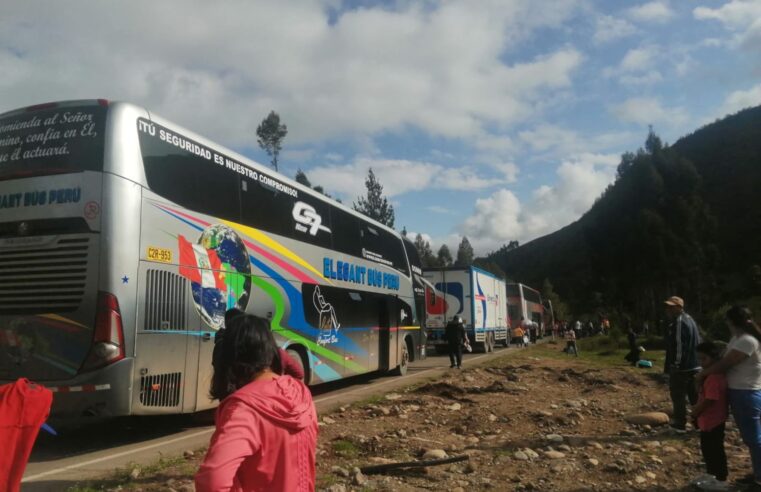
column 124, row 239
column 523, row 302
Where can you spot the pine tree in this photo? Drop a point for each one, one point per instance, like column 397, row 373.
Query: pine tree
column 465, row 253
column 301, row 178
column 271, row 134
column 424, row 251
column 374, row 204
column 444, row 256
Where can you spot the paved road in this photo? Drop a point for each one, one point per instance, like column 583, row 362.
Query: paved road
column 92, row 449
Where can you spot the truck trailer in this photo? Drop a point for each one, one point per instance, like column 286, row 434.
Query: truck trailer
column 476, row 296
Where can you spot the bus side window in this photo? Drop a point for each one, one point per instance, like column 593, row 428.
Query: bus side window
column 190, row 180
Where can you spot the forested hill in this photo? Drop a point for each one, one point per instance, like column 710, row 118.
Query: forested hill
column 681, row 220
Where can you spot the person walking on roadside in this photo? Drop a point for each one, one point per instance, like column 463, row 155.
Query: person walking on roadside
column 456, row 338
column 518, row 334
column 682, row 338
column 570, row 342
column 710, row 415
column 266, row 424
column 742, row 365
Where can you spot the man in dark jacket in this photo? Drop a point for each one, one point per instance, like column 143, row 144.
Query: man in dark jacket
column 633, row 355
column 682, row 338
column 456, row 337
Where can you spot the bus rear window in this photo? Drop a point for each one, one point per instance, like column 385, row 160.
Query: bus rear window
column 52, row 141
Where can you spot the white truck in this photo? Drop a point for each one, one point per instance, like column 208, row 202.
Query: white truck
column 476, row 296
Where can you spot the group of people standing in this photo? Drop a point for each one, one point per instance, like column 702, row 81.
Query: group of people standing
column 715, row 382
column 266, row 423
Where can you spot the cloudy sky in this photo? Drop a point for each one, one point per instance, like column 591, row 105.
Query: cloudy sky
column 497, row 119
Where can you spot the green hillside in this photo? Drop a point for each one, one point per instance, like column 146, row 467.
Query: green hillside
column 683, row 219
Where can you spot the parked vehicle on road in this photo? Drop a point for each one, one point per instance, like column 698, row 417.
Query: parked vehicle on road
column 523, row 302
column 475, row 295
column 124, row 238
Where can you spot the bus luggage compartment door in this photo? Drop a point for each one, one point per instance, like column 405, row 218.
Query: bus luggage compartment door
column 388, row 335
column 166, row 345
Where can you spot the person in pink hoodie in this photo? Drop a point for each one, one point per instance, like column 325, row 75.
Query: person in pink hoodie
column 266, row 423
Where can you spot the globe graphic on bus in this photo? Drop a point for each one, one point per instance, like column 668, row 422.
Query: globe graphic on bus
column 227, row 284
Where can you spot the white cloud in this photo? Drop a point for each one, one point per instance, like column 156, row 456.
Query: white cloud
column 743, row 17
column 656, row 12
column 642, row 79
column 638, row 59
column 647, row 111
column 562, row 142
column 608, row 28
column 509, row 170
column 400, row 176
column 440, row 68
column 501, row 217
column 637, row 67
column 741, row 99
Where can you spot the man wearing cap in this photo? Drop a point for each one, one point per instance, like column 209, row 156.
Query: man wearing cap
column 682, row 338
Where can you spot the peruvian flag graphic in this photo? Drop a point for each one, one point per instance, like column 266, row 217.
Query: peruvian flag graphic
column 201, row 265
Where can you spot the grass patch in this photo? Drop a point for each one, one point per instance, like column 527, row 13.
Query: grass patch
column 593, row 351
column 326, row 480
column 345, row 449
column 121, row 477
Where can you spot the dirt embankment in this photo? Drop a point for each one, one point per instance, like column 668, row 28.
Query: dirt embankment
column 525, row 424
column 530, row 421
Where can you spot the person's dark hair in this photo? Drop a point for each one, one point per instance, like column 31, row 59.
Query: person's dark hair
column 231, row 314
column 246, row 349
column 710, row 349
column 741, row 318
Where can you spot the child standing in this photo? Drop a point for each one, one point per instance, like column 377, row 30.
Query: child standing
column 710, row 414
column 570, row 342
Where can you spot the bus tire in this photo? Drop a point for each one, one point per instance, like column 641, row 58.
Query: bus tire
column 404, row 359
column 296, row 354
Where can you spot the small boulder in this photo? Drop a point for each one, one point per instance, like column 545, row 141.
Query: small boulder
column 336, row 487
column 435, row 454
column 531, row 453
column 649, row 418
column 359, row 479
column 556, row 438
column 554, row 455
column 454, row 407
column 520, row 455
column 341, row 472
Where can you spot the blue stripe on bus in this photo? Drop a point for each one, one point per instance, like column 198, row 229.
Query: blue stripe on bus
column 322, row 369
column 181, row 332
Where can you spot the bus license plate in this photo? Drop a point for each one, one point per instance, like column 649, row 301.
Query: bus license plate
column 159, row 254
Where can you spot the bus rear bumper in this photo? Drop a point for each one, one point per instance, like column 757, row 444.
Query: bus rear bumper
column 102, row 393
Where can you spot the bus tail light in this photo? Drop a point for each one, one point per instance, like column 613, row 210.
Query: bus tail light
column 108, row 339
